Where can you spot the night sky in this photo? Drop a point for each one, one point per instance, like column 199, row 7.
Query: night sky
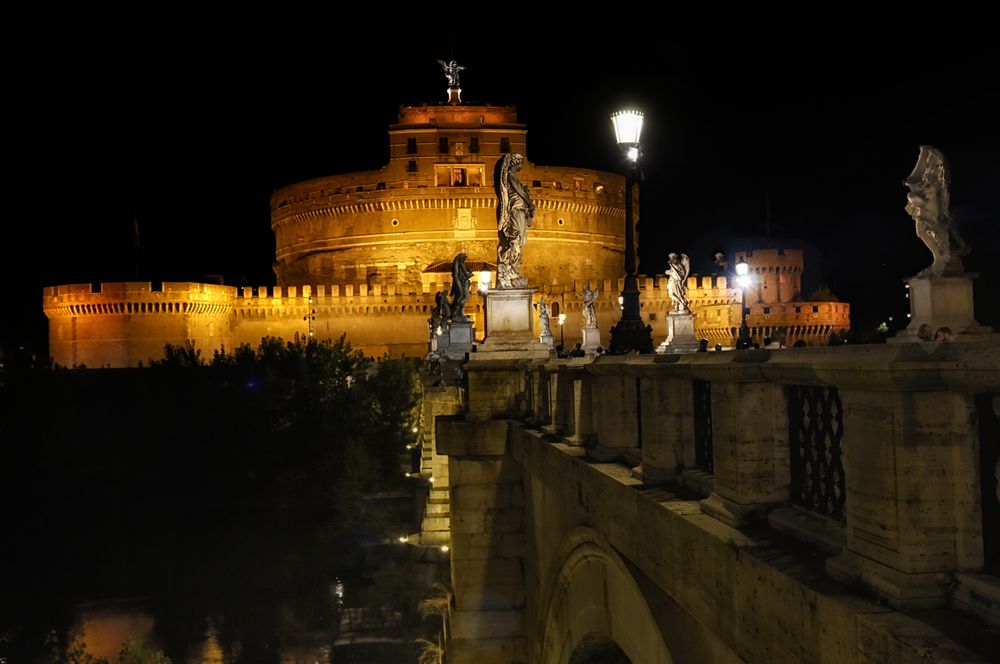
column 191, row 134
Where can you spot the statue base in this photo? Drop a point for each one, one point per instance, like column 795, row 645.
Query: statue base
column 510, row 321
column 937, row 302
column 439, row 342
column 591, row 339
column 460, row 336
column 631, row 335
column 680, row 335
column 454, row 95
column 545, row 339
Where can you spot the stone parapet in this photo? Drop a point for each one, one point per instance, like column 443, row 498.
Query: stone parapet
column 901, row 420
column 487, row 542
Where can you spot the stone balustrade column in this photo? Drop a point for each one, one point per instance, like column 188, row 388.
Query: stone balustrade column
column 913, row 503
column 488, row 542
column 560, row 400
column 750, row 437
column 667, row 427
column 614, row 407
column 581, row 425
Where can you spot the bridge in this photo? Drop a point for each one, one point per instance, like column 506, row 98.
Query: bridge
column 798, row 505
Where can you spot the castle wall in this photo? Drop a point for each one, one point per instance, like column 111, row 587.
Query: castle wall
column 393, row 234
column 364, row 253
column 435, row 199
column 123, row 324
column 777, row 272
column 376, row 320
column 716, row 308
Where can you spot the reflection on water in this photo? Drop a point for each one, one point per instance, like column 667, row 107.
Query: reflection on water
column 252, row 592
column 358, row 634
column 104, row 630
column 211, row 650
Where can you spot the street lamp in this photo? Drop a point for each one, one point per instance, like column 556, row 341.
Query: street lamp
column 743, row 281
column 484, row 287
column 630, row 333
column 311, row 318
column 562, row 336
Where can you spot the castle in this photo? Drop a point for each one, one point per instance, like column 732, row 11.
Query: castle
column 364, row 253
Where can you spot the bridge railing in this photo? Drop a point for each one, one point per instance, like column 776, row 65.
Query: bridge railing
column 873, row 453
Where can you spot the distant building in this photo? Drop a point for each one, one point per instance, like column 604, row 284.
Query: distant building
column 364, row 254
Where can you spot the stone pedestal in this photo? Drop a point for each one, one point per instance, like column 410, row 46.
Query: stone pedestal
column 460, row 337
column 488, row 541
column 439, row 342
column 680, row 335
column 510, row 322
column 545, row 339
column 591, row 339
column 454, row 95
column 942, row 302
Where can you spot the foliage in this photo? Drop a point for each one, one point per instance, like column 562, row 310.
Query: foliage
column 185, row 355
column 823, row 294
column 312, row 422
column 132, row 652
column 135, row 652
column 430, row 653
column 261, row 454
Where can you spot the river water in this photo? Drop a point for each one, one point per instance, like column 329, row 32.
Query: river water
column 227, row 589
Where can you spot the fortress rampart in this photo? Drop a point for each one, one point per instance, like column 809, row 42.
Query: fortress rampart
column 777, row 272
column 121, row 324
column 364, row 253
column 392, row 231
column 435, row 198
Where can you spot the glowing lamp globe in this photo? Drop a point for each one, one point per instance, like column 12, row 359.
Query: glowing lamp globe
column 628, row 127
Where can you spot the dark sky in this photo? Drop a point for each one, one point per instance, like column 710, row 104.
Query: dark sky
column 191, row 134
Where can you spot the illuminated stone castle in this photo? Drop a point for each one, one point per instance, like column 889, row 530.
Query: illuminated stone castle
column 364, row 254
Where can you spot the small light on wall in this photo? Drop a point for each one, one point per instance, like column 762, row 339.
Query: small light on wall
column 444, row 548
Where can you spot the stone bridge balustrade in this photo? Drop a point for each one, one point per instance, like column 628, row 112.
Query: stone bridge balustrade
column 558, row 556
column 909, row 437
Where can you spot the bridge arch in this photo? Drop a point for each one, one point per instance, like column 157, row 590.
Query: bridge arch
column 595, row 610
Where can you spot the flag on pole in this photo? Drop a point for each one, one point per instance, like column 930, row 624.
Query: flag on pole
column 135, row 245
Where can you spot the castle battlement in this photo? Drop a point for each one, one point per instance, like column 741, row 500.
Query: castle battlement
column 137, row 298
column 365, row 253
column 452, row 115
column 772, row 260
column 556, row 188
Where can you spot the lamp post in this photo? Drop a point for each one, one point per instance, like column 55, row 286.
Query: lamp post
column 743, row 281
column 311, row 318
column 630, row 333
column 562, row 336
column 484, row 287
